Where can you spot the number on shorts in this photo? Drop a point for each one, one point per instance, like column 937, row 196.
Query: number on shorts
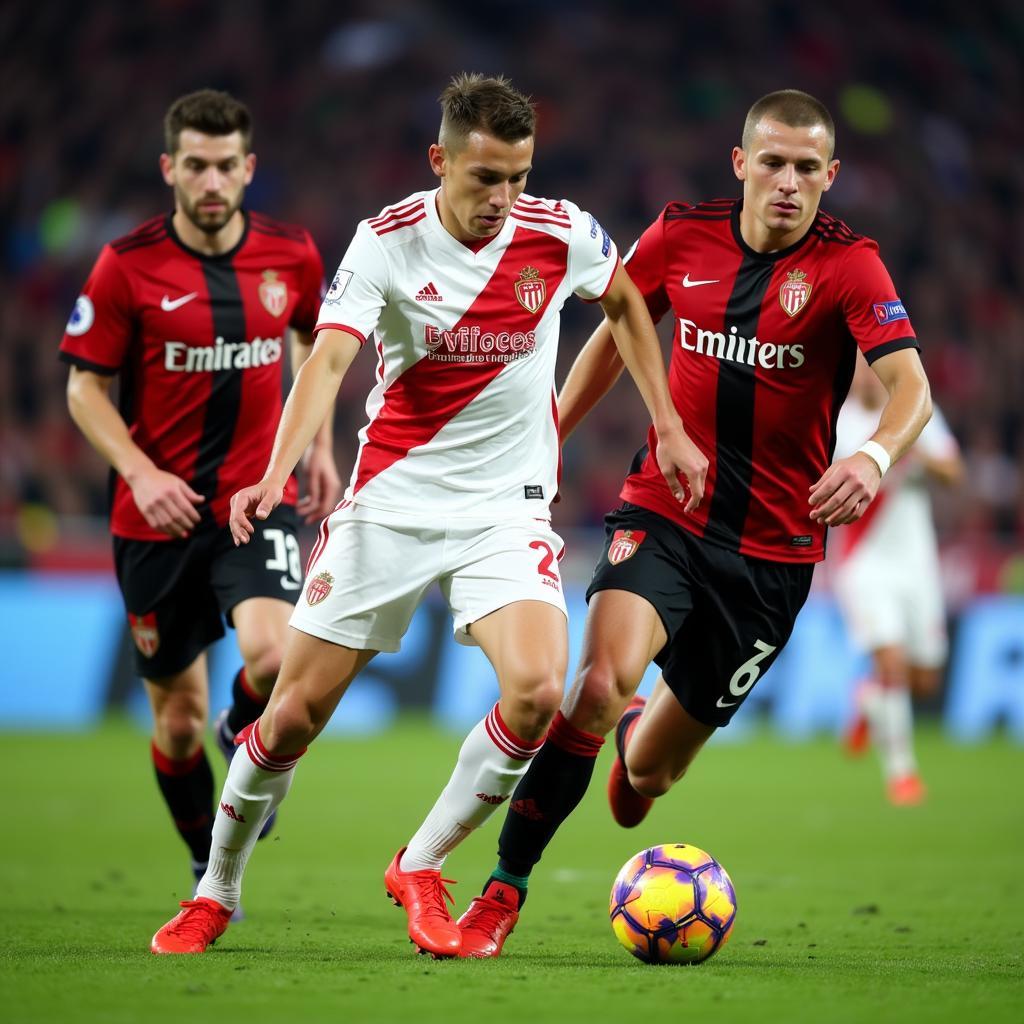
column 548, row 559
column 750, row 669
column 286, row 553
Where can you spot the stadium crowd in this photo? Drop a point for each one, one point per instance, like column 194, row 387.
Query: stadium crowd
column 636, row 108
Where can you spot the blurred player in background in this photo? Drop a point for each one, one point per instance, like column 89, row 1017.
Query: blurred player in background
column 193, row 312
column 887, row 582
column 771, row 300
column 456, row 468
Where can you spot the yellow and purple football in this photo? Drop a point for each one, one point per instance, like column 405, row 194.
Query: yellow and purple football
column 673, row 904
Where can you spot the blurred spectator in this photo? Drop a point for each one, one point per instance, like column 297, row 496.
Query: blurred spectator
column 636, row 107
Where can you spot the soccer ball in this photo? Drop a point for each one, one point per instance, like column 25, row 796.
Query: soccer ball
column 673, row 904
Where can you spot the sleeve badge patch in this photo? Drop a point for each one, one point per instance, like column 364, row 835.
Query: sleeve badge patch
column 889, row 312
column 338, row 285
column 82, row 317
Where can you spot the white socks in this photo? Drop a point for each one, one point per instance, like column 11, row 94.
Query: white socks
column 491, row 762
column 891, row 722
column 897, row 752
column 257, row 782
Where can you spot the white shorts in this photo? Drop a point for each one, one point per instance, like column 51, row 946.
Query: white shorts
column 887, row 605
column 370, row 569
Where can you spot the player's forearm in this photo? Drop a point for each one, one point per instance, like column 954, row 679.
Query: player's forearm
column 104, row 428
column 310, row 401
column 301, row 349
column 594, row 371
column 948, row 470
column 640, row 350
column 909, row 408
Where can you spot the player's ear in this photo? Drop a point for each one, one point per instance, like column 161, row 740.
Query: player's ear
column 830, row 174
column 167, row 168
column 250, row 167
column 739, row 163
column 437, row 157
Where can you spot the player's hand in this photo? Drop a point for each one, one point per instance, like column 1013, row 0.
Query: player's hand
column 166, row 502
column 323, row 483
column 845, row 490
column 256, row 502
column 678, row 456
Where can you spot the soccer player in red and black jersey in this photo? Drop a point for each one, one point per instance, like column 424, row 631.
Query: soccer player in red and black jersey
column 771, row 299
column 194, row 311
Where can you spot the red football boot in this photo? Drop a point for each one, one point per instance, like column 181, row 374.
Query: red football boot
column 489, row 921
column 199, row 924
column 906, row 791
column 423, row 895
column 629, row 808
column 857, row 736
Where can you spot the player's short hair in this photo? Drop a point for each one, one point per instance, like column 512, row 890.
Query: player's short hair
column 473, row 102
column 210, row 112
column 793, row 108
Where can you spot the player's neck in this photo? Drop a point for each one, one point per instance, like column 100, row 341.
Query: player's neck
column 762, row 239
column 205, row 243
column 451, row 224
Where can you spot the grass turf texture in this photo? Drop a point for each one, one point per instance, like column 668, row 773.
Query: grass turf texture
column 849, row 910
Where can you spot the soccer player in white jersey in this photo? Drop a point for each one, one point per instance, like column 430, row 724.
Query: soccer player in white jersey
column 888, row 587
column 460, row 289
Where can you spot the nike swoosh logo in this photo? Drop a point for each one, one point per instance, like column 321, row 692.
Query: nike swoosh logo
column 290, row 584
column 726, row 703
column 169, row 305
column 687, row 283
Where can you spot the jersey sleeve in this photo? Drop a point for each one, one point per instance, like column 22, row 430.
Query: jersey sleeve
column 593, row 257
column 874, row 314
column 305, row 315
column 645, row 263
column 359, row 288
column 100, row 327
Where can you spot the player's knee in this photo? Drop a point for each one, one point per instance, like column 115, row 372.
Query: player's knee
column 600, row 699
column 652, row 783
column 179, row 729
column 288, row 725
column 924, row 683
column 262, row 666
column 534, row 705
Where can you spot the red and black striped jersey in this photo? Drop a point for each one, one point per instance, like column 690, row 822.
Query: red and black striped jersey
column 199, row 343
column 762, row 357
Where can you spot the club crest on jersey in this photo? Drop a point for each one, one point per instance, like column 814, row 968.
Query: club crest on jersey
column 319, row 587
column 795, row 292
column 624, row 545
column 530, row 289
column 273, row 293
column 145, row 633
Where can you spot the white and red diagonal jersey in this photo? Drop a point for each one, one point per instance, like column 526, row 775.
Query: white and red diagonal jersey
column 897, row 527
column 462, row 419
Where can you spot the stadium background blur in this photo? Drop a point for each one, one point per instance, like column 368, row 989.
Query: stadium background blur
column 637, row 106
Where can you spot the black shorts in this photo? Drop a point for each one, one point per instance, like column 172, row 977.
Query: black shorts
column 178, row 592
column 727, row 616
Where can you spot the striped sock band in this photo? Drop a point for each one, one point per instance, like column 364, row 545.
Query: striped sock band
column 259, row 754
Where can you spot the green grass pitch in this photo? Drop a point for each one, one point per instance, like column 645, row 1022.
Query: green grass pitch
column 849, row 910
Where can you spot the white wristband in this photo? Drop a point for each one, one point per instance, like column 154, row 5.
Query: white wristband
column 877, row 454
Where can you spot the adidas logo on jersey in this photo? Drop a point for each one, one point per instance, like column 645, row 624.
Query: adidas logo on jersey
column 429, row 293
